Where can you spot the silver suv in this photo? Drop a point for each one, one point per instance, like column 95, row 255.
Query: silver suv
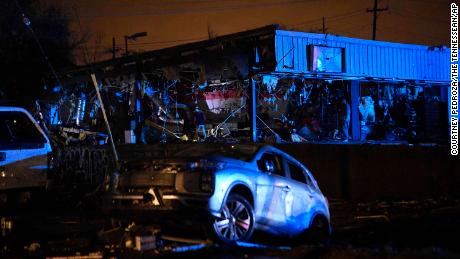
column 242, row 187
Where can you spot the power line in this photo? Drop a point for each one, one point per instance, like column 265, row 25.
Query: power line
column 169, row 42
column 409, row 15
column 351, row 22
column 156, row 42
column 201, row 10
column 352, row 31
column 171, row 3
column 318, row 21
column 28, row 25
column 401, row 30
column 437, row 2
column 331, row 18
column 360, row 28
column 347, row 32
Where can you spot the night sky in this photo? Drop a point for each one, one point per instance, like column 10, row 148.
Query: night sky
column 176, row 22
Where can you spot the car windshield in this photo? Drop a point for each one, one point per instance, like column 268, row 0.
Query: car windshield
column 17, row 129
column 241, row 152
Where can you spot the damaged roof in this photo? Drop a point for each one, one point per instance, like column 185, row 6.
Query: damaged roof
column 175, row 52
column 295, row 53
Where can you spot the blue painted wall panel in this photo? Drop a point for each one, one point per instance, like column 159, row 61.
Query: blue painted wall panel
column 364, row 58
column 410, row 58
column 397, row 59
column 386, row 59
column 363, row 61
column 390, row 64
column 418, row 60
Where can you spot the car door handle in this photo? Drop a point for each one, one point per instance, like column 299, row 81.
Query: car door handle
column 286, row 189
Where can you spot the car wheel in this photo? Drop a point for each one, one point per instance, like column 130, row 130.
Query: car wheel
column 236, row 222
column 319, row 230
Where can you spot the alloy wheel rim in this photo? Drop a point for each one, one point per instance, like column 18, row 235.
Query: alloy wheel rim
column 234, row 222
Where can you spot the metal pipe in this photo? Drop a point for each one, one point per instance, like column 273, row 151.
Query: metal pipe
column 115, row 155
column 253, row 110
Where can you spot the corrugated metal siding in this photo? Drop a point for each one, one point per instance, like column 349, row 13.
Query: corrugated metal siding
column 365, row 58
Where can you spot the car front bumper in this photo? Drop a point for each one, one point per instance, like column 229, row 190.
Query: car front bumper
column 155, row 200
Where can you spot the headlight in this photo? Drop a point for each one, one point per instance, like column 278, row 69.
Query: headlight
column 206, row 165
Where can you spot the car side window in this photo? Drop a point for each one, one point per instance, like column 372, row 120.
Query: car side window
column 270, row 160
column 18, row 131
column 297, row 173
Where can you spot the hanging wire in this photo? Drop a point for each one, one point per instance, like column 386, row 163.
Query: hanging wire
column 28, row 23
column 212, row 9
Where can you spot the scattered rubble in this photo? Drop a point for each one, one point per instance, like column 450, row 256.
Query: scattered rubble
column 404, row 229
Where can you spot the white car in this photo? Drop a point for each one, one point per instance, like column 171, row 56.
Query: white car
column 24, row 152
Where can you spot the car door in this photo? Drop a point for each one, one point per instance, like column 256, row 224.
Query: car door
column 23, row 151
column 299, row 209
column 272, row 192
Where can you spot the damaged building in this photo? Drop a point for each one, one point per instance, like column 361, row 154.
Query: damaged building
column 262, row 85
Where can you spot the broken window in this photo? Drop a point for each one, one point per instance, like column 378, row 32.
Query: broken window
column 295, row 109
column 402, row 112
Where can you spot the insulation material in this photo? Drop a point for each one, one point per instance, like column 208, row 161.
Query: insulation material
column 366, row 108
column 270, row 82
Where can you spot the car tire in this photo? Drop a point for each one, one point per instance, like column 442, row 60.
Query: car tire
column 319, row 231
column 236, row 222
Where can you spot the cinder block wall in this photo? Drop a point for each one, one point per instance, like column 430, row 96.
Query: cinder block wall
column 369, row 172
column 353, row 172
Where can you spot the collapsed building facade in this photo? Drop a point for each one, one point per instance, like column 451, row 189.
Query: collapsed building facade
column 263, row 85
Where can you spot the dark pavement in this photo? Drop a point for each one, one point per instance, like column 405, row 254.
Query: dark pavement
column 55, row 227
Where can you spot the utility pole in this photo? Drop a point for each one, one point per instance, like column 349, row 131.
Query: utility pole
column 375, row 10
column 113, row 47
column 126, row 45
column 133, row 37
column 324, row 26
